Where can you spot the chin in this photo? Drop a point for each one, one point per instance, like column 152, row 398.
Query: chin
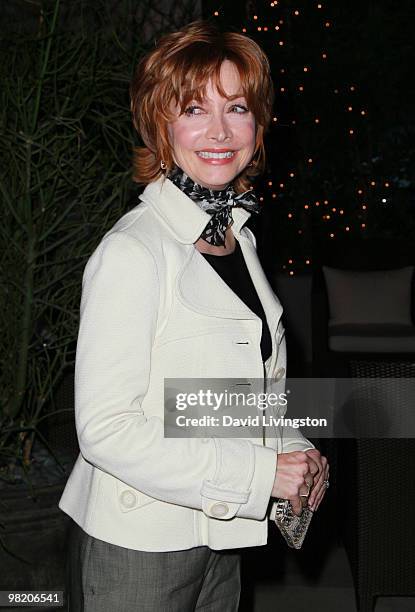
column 218, row 178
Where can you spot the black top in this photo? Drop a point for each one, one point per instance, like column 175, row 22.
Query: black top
column 232, row 269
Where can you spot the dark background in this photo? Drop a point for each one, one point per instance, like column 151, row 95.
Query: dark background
column 340, row 168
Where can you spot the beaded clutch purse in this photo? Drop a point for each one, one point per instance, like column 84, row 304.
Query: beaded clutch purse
column 292, row 527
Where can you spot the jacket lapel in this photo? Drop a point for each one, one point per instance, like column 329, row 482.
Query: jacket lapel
column 199, row 286
column 270, row 303
column 203, row 290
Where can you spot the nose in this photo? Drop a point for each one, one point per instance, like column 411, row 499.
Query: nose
column 219, row 128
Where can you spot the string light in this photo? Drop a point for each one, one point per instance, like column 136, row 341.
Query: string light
column 342, row 90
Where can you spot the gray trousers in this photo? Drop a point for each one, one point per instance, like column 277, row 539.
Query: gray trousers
column 102, row 577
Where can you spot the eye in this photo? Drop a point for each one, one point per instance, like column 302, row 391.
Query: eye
column 193, row 110
column 239, row 109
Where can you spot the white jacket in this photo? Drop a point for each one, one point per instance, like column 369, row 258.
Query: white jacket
column 152, row 307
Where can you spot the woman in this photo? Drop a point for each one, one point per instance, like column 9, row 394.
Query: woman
column 175, row 290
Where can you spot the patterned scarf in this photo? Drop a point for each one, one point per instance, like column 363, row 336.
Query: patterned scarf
column 216, row 203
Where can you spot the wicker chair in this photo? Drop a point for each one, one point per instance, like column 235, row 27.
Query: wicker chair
column 373, row 478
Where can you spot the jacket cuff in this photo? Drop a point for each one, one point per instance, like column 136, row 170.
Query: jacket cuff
column 293, row 440
column 224, row 497
column 261, row 485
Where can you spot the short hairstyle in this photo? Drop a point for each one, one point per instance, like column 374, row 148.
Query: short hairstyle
column 177, row 71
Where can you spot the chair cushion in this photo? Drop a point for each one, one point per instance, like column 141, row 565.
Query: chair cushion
column 372, row 338
column 378, row 296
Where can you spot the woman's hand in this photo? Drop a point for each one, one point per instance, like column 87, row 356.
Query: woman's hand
column 320, row 478
column 294, row 477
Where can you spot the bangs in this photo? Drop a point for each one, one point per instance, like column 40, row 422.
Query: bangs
column 199, row 65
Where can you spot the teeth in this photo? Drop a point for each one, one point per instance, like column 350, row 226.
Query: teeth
column 210, row 155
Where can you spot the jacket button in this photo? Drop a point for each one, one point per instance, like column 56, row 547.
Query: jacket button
column 279, row 373
column 128, row 498
column 219, row 509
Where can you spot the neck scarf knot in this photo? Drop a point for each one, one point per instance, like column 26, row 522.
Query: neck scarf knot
column 216, row 203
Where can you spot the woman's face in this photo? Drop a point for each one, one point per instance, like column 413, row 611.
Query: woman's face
column 214, row 141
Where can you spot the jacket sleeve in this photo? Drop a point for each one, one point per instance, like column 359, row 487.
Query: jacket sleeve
column 119, row 311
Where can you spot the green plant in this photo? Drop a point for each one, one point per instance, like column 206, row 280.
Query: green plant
column 65, row 147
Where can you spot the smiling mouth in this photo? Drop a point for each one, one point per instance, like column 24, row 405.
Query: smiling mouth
column 215, row 155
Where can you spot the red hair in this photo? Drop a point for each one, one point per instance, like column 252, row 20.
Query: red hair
column 177, row 71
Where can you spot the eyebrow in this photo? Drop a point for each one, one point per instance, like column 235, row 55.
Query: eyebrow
column 240, row 94
column 230, row 98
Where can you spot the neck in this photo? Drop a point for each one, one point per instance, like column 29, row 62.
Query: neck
column 210, row 249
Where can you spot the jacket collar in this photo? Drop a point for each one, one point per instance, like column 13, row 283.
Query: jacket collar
column 199, row 287
column 183, row 217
